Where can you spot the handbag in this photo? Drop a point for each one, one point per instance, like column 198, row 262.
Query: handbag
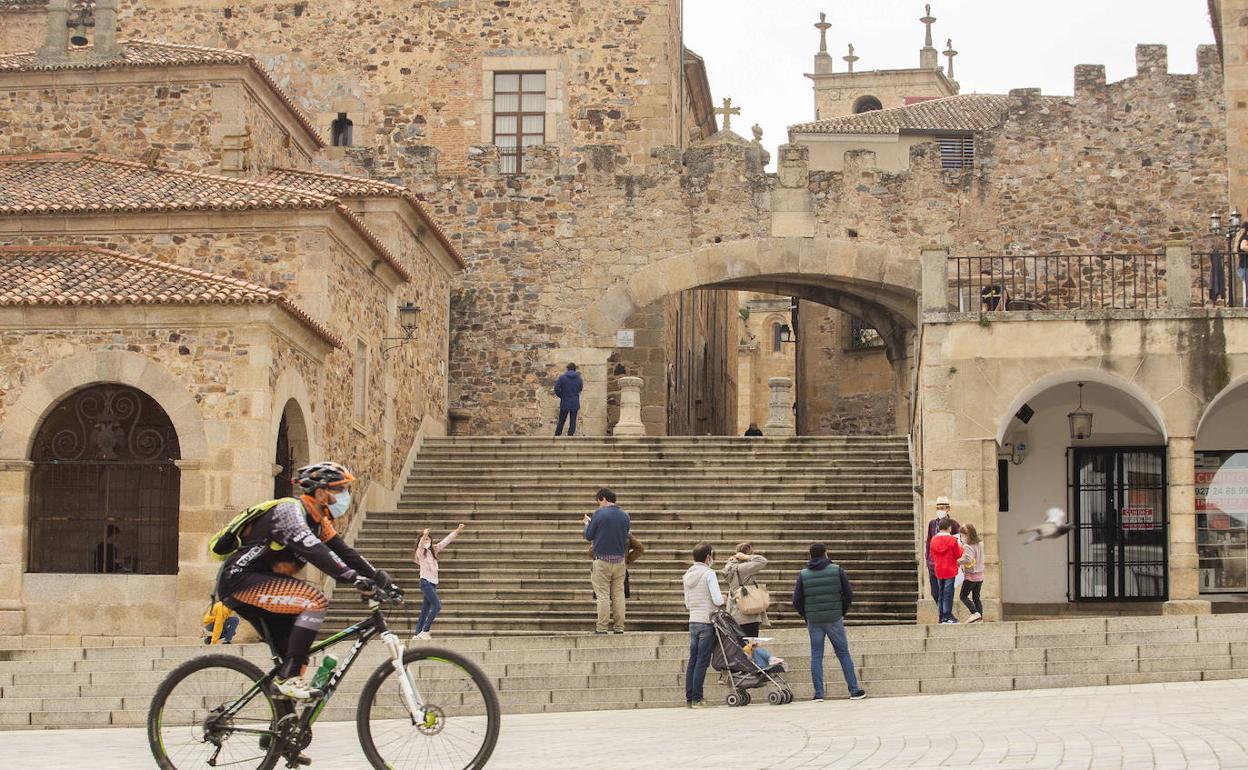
column 751, row 600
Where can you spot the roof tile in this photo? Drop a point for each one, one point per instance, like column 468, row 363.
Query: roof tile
column 85, row 275
column 966, row 112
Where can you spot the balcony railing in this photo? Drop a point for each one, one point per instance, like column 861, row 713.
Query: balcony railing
column 1219, row 280
column 1060, row 282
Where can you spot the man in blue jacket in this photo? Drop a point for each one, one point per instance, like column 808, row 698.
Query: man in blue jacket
column 608, row 529
column 822, row 596
column 568, row 388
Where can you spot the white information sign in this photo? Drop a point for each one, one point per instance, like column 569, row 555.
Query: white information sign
column 624, row 338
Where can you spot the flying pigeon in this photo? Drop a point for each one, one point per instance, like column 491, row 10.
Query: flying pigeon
column 1054, row 527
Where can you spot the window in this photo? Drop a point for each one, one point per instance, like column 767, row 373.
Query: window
column 360, row 368
column 862, row 336
column 104, row 486
column 867, row 104
column 519, row 116
column 957, row 152
column 777, row 338
column 340, row 131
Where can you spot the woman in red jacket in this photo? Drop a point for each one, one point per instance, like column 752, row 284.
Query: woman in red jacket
column 945, row 551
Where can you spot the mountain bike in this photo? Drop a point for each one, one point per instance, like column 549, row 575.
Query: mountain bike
column 422, row 708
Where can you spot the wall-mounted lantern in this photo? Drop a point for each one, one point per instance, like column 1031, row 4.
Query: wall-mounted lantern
column 409, row 317
column 1080, row 420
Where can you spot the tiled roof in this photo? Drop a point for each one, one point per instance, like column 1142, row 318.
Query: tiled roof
column 968, row 112
column 342, row 186
column 148, row 54
column 21, row 5
column 81, row 183
column 84, row 275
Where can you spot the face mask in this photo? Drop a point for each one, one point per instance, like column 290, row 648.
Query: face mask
column 340, row 504
column 941, row 513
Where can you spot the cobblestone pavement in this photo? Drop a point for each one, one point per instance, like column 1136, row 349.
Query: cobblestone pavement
column 1195, row 725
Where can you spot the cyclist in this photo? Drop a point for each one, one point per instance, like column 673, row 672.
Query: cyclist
column 258, row 580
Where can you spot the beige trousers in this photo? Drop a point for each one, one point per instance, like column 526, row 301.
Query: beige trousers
column 608, row 582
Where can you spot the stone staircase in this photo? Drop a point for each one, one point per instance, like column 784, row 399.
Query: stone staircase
column 84, row 687
column 522, row 564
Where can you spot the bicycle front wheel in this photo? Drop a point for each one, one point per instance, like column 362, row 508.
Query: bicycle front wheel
column 456, row 728
column 212, row 712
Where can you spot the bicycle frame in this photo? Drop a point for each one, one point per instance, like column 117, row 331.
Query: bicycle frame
column 363, row 632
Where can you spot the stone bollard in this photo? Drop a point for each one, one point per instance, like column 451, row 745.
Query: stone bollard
column 630, row 423
column 780, row 408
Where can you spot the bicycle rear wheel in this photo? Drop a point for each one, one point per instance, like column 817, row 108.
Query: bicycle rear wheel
column 186, row 726
column 459, row 725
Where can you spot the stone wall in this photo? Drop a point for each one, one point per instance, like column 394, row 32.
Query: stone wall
column 187, row 114
column 841, row 389
column 758, row 359
column 1234, row 36
column 21, row 29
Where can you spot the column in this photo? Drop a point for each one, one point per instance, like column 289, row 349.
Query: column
column 14, row 486
column 630, row 423
column 1178, row 274
column 1181, row 498
column 780, row 408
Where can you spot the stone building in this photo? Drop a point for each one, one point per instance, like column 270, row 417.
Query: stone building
column 554, row 142
column 188, row 314
column 767, row 350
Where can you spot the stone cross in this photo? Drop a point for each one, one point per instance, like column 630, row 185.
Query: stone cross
column 727, row 111
column 851, row 58
column 823, row 26
column 950, row 53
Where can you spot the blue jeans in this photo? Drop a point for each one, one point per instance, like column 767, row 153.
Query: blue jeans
column 430, row 607
column 701, row 637
column 568, row 415
column 945, row 603
column 834, row 631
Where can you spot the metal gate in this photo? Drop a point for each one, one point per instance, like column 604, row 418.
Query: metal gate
column 1120, row 542
column 104, row 486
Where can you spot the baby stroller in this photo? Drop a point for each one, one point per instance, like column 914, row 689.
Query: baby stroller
column 738, row 670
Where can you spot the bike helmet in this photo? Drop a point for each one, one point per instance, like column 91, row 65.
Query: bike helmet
column 324, row 475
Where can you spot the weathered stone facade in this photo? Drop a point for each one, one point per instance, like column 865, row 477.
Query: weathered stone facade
column 844, row 386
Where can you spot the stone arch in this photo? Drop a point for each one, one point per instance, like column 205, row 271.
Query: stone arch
column 1070, row 376
column 883, row 281
column 867, row 103
column 41, row 394
column 1231, row 388
column 290, row 387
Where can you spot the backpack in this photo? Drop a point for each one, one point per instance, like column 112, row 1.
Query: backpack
column 228, row 540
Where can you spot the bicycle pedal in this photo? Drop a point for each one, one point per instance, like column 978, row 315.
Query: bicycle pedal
column 302, row 759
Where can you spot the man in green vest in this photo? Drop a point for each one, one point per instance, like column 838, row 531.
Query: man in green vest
column 822, row 596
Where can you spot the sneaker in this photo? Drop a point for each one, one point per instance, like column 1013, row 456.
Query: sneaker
column 817, row 699
column 295, row 688
column 700, row 704
column 974, row 618
column 601, row 633
column 775, row 661
column 858, row 695
column 618, row 631
column 423, row 636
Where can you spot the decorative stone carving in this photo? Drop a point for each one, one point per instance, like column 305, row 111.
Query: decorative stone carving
column 794, row 166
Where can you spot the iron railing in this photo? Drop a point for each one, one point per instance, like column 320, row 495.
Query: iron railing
column 1219, row 280
column 1060, row 282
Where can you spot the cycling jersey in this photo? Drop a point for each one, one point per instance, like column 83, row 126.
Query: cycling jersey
column 282, row 541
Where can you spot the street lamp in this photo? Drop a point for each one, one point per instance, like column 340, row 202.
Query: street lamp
column 1227, row 268
column 1080, row 420
column 786, row 334
column 409, row 316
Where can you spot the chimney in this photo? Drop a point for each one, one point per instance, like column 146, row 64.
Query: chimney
column 56, row 44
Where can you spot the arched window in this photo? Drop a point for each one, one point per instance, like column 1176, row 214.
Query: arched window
column 292, row 448
column 867, row 104
column 777, row 337
column 104, row 488
column 340, row 131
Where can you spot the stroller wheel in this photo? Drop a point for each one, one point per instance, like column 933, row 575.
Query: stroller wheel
column 737, row 698
column 788, row 696
column 746, row 695
column 776, row 698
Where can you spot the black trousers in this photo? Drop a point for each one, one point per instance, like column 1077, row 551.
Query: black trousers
column 970, row 595
column 564, row 415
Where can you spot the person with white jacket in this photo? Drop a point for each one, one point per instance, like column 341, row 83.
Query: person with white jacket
column 702, row 597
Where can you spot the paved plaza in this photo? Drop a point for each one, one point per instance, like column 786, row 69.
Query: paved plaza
column 1197, row 726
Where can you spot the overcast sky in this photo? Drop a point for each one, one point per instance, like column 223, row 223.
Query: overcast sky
column 757, row 51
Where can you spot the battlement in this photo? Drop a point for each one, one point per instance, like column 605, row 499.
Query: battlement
column 1152, row 63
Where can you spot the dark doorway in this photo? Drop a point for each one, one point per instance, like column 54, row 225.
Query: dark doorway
column 282, row 486
column 1119, row 546
column 104, row 486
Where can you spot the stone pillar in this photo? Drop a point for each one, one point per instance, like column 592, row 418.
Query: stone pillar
column 1178, row 274
column 1181, row 497
column 56, row 44
column 780, row 407
column 106, row 30
column 630, row 423
column 14, row 497
column 934, row 261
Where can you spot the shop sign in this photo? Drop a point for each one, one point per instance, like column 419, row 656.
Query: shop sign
column 1138, row 518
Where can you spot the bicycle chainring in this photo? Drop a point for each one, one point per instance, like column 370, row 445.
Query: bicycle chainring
column 293, row 733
